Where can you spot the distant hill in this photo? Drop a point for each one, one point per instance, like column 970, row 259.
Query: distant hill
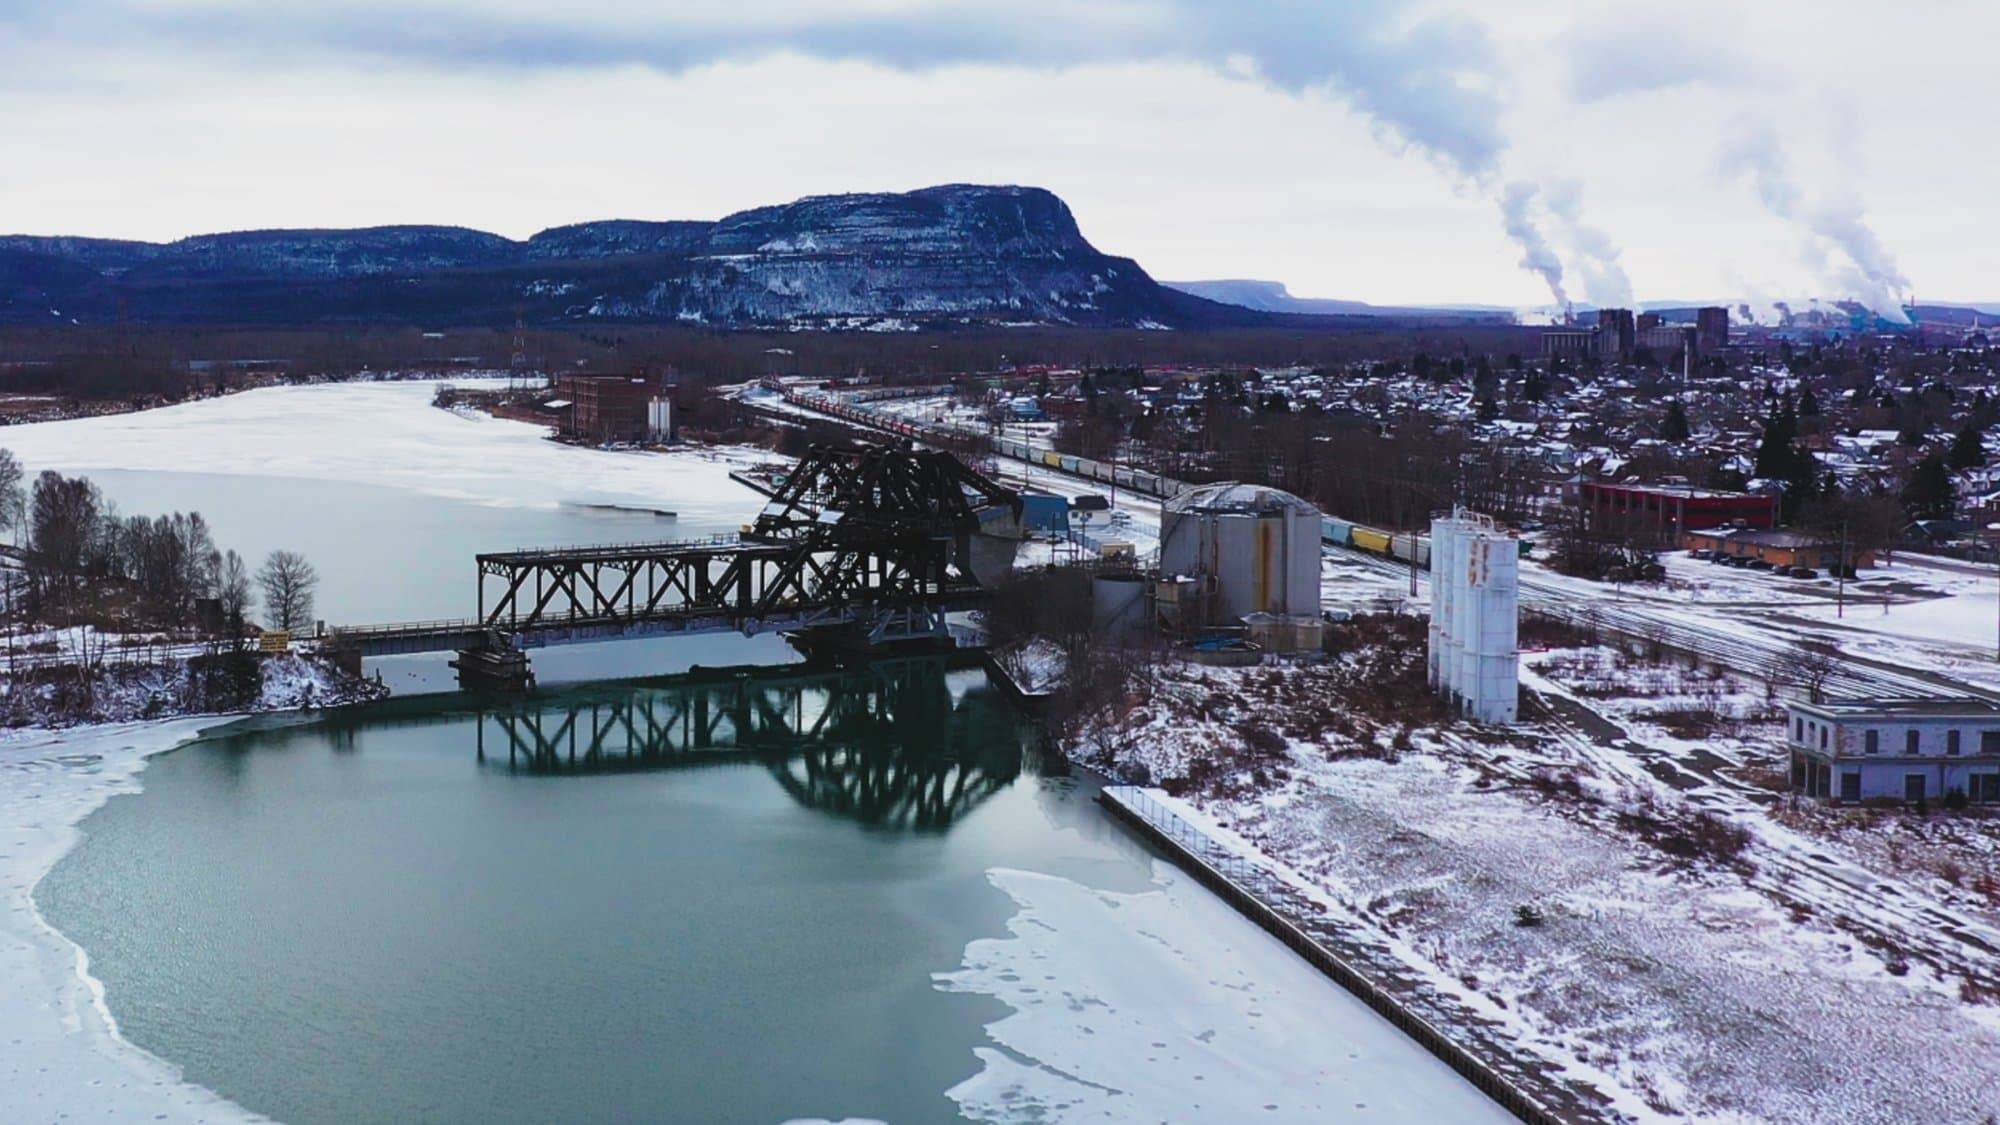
column 1274, row 297
column 956, row 255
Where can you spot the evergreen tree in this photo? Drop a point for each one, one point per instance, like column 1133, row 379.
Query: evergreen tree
column 1801, row 485
column 1774, row 451
column 1674, row 427
column 1968, row 449
column 1928, row 493
column 1488, row 410
column 1808, row 404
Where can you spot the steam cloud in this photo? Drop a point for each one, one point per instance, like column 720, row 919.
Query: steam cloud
column 1596, row 255
column 1840, row 247
column 1516, row 209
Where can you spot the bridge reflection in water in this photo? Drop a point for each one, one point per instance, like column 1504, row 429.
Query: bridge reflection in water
column 901, row 743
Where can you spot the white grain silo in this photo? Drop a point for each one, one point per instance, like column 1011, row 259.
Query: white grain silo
column 1257, row 548
column 1475, row 616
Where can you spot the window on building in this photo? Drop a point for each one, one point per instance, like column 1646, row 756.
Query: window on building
column 1913, row 786
column 1798, row 730
column 1850, row 786
column 1911, row 744
column 1873, row 741
column 1989, row 742
column 1986, row 788
column 1822, row 736
column 1951, row 742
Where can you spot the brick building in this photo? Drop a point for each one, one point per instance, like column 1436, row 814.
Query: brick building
column 1673, row 509
column 612, row 408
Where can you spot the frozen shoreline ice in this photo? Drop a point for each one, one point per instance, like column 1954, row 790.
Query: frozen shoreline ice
column 1167, row 1005
column 64, row 1056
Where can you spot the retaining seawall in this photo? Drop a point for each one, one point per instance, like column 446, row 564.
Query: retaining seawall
column 1525, row 1090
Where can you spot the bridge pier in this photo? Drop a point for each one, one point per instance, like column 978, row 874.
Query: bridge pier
column 347, row 658
column 494, row 666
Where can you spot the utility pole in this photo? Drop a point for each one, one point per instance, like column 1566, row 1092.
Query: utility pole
column 1840, row 576
column 1995, row 528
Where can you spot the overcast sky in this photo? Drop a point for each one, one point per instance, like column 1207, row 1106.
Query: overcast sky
column 1371, row 150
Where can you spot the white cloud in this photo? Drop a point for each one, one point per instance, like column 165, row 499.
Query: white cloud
column 158, row 118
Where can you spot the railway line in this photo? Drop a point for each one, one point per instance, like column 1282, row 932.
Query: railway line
column 1734, row 644
column 1902, row 921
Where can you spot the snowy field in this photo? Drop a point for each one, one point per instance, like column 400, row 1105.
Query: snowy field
column 1781, row 975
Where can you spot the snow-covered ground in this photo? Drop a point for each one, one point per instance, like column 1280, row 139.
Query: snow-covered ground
column 63, row 1058
column 1799, row 980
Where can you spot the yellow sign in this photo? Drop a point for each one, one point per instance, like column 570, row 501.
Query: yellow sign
column 276, row 641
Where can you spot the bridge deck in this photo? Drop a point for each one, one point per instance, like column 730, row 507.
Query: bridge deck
column 870, row 536
column 410, row 638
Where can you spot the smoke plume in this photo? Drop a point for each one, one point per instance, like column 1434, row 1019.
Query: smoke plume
column 1595, row 254
column 1839, row 246
column 1517, row 201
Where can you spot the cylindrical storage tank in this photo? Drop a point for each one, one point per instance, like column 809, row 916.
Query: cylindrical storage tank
column 1259, row 546
column 1118, row 605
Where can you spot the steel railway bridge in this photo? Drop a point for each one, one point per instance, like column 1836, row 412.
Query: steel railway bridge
column 881, row 542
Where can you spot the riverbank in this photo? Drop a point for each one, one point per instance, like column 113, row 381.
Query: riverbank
column 1630, row 907
column 197, row 683
column 64, row 1058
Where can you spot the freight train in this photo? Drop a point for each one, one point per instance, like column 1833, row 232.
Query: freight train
column 1389, row 544
column 1399, row 545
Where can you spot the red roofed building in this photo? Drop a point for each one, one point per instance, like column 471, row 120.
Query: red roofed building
column 1674, row 509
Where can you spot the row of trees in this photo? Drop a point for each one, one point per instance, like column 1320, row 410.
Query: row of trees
column 84, row 560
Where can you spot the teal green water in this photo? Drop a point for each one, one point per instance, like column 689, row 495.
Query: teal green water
column 359, row 919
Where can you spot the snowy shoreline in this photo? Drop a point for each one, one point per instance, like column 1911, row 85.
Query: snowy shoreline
column 65, row 1055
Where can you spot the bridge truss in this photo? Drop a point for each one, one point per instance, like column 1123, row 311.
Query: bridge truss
column 851, row 533
column 872, row 537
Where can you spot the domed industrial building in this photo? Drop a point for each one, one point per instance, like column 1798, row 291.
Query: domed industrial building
column 1251, row 549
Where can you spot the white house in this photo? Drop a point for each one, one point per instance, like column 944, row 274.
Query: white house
column 1896, row 749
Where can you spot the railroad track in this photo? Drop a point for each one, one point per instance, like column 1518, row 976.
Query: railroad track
column 1877, row 911
column 1717, row 642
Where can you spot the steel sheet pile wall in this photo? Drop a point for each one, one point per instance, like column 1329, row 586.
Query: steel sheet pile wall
column 1475, row 616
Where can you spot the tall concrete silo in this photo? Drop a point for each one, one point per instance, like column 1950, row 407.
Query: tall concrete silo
column 1257, row 548
column 1475, row 616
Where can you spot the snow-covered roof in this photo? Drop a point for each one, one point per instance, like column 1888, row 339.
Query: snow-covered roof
column 1234, row 496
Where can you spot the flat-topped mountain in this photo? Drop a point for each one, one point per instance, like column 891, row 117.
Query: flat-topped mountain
column 939, row 257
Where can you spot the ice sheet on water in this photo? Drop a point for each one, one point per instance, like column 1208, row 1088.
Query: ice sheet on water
column 60, row 1054
column 384, row 433
column 1166, row 1005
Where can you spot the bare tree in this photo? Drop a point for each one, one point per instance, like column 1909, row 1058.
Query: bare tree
column 65, row 531
column 13, row 497
column 288, row 582
column 232, row 589
column 1808, row 665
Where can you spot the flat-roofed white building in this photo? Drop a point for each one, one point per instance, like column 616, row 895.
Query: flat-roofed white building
column 1895, row 749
